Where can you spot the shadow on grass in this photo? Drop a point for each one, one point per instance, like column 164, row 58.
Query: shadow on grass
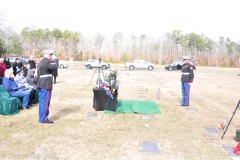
column 63, row 112
column 59, row 82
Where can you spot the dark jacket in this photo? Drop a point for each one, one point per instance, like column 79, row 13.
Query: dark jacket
column 55, row 72
column 31, row 80
column 187, row 73
column 7, row 63
column 25, row 71
column 32, row 64
column 16, row 66
column 44, row 73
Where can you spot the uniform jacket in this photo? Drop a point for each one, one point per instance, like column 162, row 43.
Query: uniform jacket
column 44, row 73
column 31, row 80
column 187, row 73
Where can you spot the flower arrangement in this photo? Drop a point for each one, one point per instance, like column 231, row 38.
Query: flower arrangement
column 110, row 83
column 111, row 80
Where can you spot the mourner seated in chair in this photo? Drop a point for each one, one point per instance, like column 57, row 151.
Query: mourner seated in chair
column 32, row 81
column 14, row 90
column 22, row 81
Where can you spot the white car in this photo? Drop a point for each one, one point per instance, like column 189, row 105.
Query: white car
column 94, row 63
column 140, row 64
column 62, row 65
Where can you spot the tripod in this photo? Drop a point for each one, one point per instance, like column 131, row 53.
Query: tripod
column 98, row 79
column 231, row 118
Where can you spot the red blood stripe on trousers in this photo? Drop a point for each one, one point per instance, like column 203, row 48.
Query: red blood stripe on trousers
column 46, row 108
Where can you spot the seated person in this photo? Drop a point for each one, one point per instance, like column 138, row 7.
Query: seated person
column 14, row 90
column 22, row 81
column 32, row 80
column 25, row 69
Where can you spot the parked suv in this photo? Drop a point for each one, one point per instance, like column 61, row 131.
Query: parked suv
column 178, row 65
column 94, row 63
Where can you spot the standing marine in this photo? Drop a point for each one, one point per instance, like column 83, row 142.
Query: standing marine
column 45, row 85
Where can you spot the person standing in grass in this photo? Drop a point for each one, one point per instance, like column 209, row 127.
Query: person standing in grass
column 7, row 62
column 45, row 84
column 32, row 63
column 17, row 66
column 55, row 72
column 2, row 69
column 187, row 77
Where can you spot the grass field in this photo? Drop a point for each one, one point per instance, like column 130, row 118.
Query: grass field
column 180, row 134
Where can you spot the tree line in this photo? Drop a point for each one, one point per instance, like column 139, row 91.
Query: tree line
column 119, row 49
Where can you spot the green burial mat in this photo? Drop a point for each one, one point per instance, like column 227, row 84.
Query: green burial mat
column 135, row 106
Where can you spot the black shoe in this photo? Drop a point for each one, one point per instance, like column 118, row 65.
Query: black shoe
column 49, row 121
column 182, row 105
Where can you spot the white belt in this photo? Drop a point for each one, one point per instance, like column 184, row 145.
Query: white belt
column 186, row 73
column 46, row 75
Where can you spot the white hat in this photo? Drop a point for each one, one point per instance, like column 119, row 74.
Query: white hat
column 54, row 57
column 186, row 57
column 48, row 51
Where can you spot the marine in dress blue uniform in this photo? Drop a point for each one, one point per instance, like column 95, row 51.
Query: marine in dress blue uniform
column 45, row 85
column 187, row 77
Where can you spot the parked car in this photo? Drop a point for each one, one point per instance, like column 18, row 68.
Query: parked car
column 178, row 65
column 63, row 65
column 94, row 63
column 139, row 64
column 12, row 59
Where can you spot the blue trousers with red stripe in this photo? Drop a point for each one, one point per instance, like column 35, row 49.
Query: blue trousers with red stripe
column 185, row 93
column 44, row 103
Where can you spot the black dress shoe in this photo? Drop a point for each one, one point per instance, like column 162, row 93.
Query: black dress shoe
column 34, row 102
column 182, row 105
column 49, row 121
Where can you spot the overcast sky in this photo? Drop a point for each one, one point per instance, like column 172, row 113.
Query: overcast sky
column 213, row 18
